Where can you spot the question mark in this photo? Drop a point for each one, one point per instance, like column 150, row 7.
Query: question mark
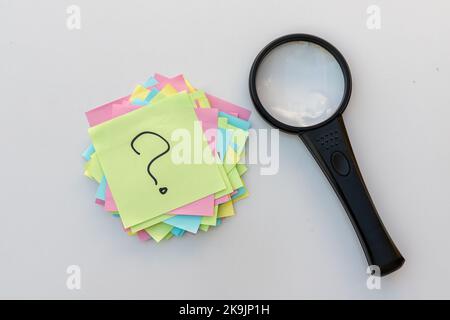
column 162, row 190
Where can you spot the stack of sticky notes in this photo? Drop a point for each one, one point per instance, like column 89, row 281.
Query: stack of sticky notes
column 168, row 158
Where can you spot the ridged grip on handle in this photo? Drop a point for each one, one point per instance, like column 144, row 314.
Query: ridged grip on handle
column 331, row 148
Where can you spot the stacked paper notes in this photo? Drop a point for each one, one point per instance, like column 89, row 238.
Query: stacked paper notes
column 167, row 158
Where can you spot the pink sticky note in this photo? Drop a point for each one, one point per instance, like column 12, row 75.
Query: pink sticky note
column 222, row 199
column 143, row 235
column 209, row 117
column 119, row 110
column 110, row 204
column 177, row 82
column 110, row 110
column 228, row 107
column 104, row 112
column 180, row 85
column 202, row 207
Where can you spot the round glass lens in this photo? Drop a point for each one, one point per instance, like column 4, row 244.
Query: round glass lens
column 300, row 84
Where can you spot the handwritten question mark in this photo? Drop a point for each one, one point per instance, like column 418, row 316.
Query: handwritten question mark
column 162, row 190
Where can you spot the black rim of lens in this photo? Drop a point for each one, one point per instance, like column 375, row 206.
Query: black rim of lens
column 306, row 38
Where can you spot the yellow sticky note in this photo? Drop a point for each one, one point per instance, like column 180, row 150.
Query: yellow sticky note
column 243, row 196
column 87, row 172
column 139, row 92
column 225, row 210
column 189, row 85
column 200, row 99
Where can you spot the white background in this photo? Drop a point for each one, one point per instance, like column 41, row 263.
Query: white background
column 291, row 238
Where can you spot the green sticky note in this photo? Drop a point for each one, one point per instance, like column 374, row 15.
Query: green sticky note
column 222, row 122
column 238, row 137
column 235, row 178
column 168, row 236
column 241, row 168
column 212, row 220
column 228, row 187
column 93, row 168
column 149, row 223
column 159, row 231
column 135, row 153
column 231, row 159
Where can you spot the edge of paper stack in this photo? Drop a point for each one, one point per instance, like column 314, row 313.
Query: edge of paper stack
column 232, row 119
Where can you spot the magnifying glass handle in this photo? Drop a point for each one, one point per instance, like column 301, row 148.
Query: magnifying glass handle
column 331, row 148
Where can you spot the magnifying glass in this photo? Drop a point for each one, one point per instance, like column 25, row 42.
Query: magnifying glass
column 301, row 84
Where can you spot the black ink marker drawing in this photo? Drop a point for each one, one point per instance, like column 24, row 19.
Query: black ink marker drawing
column 162, row 190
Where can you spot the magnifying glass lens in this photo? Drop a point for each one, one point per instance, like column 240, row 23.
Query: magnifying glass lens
column 300, row 84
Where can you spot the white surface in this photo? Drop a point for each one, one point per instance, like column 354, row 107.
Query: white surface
column 300, row 84
column 291, row 238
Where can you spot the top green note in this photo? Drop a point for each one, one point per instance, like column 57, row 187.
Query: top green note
column 135, row 152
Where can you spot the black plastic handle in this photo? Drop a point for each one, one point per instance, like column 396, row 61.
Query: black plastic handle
column 331, row 148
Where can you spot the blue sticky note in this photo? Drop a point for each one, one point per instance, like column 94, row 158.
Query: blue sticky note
column 218, row 222
column 150, row 82
column 177, row 232
column 223, row 141
column 139, row 102
column 188, row 223
column 88, row 152
column 239, row 193
column 151, row 94
column 235, row 121
column 101, row 190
